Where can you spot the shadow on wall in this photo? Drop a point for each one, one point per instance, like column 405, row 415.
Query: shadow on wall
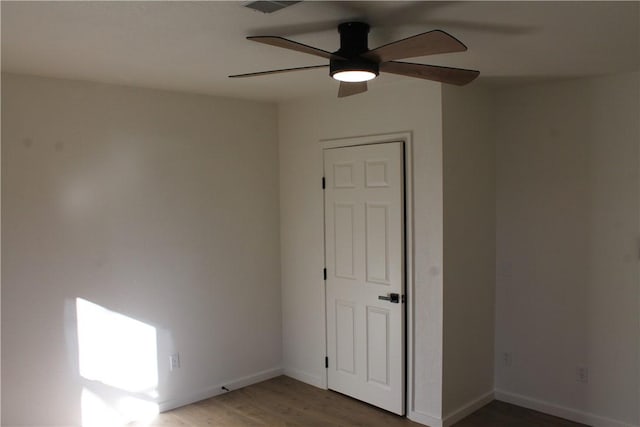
column 117, row 363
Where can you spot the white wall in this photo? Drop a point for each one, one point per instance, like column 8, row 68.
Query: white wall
column 414, row 107
column 469, row 249
column 164, row 207
column 160, row 206
column 567, row 254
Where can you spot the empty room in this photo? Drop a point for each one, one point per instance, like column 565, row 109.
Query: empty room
column 320, row 213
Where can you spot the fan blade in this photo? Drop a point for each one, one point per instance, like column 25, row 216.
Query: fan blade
column 290, row 44
column 284, row 70
column 348, row 88
column 456, row 76
column 428, row 43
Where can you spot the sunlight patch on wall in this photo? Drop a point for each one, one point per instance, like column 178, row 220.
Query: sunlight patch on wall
column 100, row 412
column 118, row 363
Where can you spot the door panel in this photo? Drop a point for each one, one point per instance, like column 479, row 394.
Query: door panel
column 364, row 240
column 345, row 334
column 343, row 240
column 378, row 345
column 377, row 243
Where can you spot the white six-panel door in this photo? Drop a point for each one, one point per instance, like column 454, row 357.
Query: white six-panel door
column 364, row 240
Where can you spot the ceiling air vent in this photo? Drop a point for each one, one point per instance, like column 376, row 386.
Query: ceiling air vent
column 268, row 6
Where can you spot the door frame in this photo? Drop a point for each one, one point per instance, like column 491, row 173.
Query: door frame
column 406, row 139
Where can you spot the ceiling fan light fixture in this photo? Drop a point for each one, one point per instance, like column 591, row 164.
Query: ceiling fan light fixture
column 353, row 70
column 354, row 76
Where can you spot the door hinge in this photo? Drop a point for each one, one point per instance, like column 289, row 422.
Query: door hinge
column 324, row 273
column 323, row 183
column 326, row 362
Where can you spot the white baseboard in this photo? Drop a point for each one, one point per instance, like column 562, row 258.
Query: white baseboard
column 452, row 417
column 558, row 411
column 426, row 419
column 467, row 409
column 215, row 390
column 305, row 377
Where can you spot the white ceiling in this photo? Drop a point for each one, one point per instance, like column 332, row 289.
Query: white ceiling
column 194, row 46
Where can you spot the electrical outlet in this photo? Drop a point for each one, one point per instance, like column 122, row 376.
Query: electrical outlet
column 507, row 359
column 174, row 361
column 582, row 374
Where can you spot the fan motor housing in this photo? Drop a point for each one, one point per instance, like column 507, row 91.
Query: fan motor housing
column 353, row 39
column 353, row 43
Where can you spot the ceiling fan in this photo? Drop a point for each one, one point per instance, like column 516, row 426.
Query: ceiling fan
column 354, row 64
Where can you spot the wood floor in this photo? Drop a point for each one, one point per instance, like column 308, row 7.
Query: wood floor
column 503, row 414
column 283, row 401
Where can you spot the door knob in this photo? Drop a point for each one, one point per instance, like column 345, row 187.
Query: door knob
column 393, row 297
